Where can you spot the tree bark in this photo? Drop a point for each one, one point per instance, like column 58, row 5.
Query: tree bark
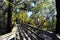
column 58, row 17
column 9, row 23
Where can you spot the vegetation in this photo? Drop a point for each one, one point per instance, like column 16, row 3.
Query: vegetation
column 39, row 13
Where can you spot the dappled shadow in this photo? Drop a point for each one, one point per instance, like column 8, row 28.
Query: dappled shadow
column 26, row 31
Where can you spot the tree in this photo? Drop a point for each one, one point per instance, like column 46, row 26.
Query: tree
column 3, row 17
column 9, row 26
column 58, row 16
column 23, row 16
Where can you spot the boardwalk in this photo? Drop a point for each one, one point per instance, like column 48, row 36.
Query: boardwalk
column 27, row 32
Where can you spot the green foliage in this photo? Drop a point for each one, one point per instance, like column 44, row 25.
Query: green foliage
column 38, row 13
column 23, row 16
column 13, row 17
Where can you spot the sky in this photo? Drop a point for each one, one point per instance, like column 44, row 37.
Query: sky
column 29, row 14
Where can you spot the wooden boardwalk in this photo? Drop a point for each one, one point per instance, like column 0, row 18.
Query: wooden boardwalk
column 27, row 32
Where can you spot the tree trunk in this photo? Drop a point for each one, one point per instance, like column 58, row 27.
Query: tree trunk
column 9, row 23
column 58, row 16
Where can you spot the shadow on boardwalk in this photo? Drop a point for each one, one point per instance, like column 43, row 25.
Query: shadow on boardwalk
column 34, row 33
